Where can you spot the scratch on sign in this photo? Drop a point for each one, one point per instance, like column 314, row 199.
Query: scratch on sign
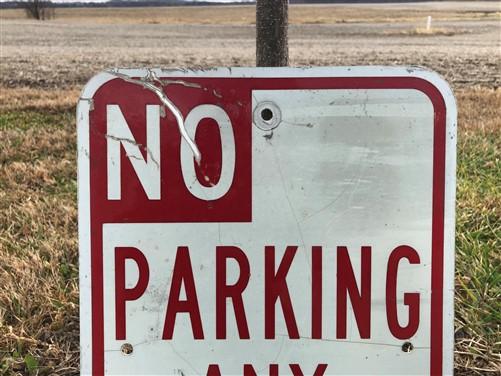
column 148, row 82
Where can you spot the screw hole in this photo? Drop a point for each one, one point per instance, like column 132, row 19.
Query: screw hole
column 266, row 114
column 126, row 349
column 407, row 347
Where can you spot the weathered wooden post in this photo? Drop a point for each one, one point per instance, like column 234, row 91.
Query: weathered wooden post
column 271, row 33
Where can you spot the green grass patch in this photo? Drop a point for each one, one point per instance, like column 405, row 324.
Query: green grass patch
column 478, row 244
column 28, row 119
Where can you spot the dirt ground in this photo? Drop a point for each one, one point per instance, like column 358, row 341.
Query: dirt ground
column 463, row 45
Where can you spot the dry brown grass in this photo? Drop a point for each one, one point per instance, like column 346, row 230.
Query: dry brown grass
column 245, row 15
column 38, row 248
column 30, row 98
column 424, row 32
column 38, row 232
column 479, row 111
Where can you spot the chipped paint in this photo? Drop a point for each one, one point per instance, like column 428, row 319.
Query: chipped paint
column 148, row 82
column 141, row 146
column 216, row 94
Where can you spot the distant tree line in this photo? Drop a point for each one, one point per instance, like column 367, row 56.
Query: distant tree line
column 38, row 9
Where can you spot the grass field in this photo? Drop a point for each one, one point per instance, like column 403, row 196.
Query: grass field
column 38, row 231
column 245, row 15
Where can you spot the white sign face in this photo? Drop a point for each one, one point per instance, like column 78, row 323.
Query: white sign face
column 312, row 235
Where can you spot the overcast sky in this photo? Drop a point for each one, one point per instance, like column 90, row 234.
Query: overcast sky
column 102, row 1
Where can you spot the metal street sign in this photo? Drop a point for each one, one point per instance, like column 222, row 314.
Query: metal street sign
column 278, row 221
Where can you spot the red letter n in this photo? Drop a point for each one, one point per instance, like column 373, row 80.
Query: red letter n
column 347, row 284
column 249, row 370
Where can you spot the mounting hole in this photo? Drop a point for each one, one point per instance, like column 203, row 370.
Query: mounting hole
column 407, row 347
column 266, row 114
column 126, row 349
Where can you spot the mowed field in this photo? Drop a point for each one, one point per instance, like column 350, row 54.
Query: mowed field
column 44, row 65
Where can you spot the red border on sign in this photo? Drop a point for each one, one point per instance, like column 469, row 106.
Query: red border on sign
column 316, row 83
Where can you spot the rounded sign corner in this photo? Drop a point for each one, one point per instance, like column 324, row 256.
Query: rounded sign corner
column 440, row 84
column 94, row 84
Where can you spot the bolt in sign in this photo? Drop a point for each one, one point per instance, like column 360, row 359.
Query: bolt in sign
column 273, row 221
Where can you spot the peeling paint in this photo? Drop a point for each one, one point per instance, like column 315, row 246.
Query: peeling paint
column 181, row 82
column 216, row 94
column 90, row 101
column 148, row 82
column 141, row 146
column 268, row 136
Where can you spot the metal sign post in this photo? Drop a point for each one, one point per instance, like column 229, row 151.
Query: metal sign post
column 271, row 33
